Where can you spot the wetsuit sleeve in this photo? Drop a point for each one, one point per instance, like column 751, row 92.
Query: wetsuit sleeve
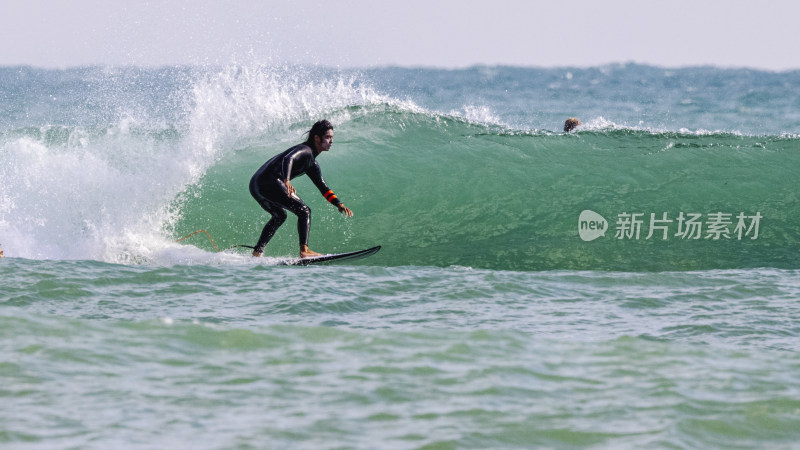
column 315, row 174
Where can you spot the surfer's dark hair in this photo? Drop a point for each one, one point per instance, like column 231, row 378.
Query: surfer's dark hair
column 319, row 129
column 571, row 124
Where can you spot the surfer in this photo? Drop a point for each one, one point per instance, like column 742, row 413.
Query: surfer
column 571, row 124
column 1, row 253
column 273, row 190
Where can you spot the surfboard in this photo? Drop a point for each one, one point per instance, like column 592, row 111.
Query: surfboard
column 329, row 258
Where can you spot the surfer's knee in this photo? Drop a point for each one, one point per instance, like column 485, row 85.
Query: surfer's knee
column 278, row 216
column 303, row 212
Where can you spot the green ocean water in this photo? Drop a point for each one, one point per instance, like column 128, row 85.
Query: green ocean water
column 633, row 284
column 241, row 356
column 442, row 191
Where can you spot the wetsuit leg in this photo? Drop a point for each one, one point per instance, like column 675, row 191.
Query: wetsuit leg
column 273, row 197
column 278, row 217
column 303, row 213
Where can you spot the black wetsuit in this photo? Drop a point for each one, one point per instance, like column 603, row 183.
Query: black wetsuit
column 268, row 188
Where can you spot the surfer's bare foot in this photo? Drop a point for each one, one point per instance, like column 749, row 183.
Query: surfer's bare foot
column 306, row 252
column 256, row 254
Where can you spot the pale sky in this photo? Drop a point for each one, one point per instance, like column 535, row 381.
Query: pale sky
column 433, row 33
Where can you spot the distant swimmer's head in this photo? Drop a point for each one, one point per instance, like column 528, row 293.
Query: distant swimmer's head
column 571, row 124
column 320, row 136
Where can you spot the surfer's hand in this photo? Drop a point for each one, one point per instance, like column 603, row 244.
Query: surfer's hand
column 345, row 210
column 289, row 188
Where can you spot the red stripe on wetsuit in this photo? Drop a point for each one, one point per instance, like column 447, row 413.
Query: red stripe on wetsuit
column 331, row 197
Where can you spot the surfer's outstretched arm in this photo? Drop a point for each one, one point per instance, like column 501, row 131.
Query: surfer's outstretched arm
column 315, row 174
